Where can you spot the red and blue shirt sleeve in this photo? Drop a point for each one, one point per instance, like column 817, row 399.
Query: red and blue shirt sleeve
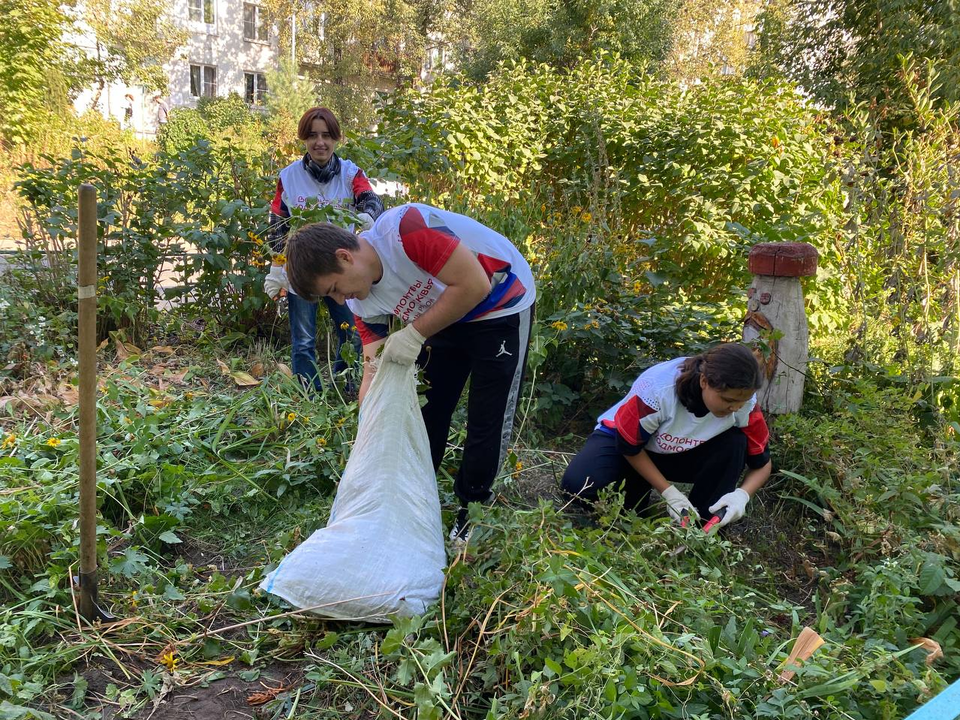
column 631, row 433
column 372, row 329
column 428, row 247
column 758, row 440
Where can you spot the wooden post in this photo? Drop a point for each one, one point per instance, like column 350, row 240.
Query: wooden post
column 777, row 320
column 87, row 347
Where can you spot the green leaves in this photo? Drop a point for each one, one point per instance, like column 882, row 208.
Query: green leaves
column 131, row 563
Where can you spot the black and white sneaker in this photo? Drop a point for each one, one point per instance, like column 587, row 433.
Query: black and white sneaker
column 460, row 532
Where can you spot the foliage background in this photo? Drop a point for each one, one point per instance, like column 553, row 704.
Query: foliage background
column 636, row 193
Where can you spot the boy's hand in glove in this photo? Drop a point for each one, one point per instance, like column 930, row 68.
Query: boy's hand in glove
column 736, row 504
column 276, row 281
column 403, row 346
column 677, row 502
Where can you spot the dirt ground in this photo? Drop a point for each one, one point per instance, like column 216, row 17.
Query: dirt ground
column 228, row 697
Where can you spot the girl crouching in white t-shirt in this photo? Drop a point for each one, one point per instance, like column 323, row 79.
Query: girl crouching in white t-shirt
column 689, row 420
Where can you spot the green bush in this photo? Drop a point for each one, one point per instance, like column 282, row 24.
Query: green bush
column 704, row 172
column 210, row 120
column 199, row 213
column 864, row 471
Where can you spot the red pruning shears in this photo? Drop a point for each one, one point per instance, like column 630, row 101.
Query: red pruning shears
column 684, row 518
column 714, row 520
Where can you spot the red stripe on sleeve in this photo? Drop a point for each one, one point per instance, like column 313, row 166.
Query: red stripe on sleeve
column 491, row 265
column 627, row 420
column 369, row 333
column 758, row 435
column 276, row 207
column 360, row 183
column 429, row 248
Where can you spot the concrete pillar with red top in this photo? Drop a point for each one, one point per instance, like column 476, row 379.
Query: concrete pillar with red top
column 776, row 322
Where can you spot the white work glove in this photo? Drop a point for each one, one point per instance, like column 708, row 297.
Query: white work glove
column 365, row 221
column 736, row 504
column 276, row 281
column 677, row 502
column 403, row 346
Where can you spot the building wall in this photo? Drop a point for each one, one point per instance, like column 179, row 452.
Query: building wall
column 219, row 44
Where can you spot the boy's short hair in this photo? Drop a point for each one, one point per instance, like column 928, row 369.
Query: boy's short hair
column 312, row 252
column 318, row 113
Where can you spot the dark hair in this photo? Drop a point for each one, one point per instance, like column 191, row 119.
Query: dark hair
column 725, row 367
column 312, row 252
column 318, row 113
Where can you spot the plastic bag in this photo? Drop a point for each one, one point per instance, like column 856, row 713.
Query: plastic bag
column 382, row 551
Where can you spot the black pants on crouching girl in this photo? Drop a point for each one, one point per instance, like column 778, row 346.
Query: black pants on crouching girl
column 714, row 468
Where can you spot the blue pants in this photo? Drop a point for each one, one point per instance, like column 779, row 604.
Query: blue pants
column 303, row 337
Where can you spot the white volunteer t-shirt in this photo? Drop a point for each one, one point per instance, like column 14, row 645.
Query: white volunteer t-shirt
column 414, row 241
column 652, row 417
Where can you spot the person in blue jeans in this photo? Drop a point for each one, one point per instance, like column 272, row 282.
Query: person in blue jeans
column 319, row 176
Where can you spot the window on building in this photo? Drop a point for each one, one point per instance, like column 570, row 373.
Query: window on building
column 254, row 23
column 256, row 87
column 196, row 80
column 203, row 80
column 201, row 11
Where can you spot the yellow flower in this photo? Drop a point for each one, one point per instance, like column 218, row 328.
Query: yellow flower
column 559, row 325
column 169, row 660
column 518, row 466
column 344, row 326
column 9, row 441
column 637, row 286
column 279, row 259
column 291, row 416
column 133, row 598
column 576, row 209
column 587, row 217
column 53, row 442
column 321, row 442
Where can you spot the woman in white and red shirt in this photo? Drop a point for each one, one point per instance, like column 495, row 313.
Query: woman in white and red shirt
column 689, row 420
column 320, row 176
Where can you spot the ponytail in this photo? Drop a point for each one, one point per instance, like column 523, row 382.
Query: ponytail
column 727, row 366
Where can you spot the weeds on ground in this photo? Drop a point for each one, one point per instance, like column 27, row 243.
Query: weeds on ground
column 205, row 485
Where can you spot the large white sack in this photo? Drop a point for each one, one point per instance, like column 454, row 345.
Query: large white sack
column 382, row 551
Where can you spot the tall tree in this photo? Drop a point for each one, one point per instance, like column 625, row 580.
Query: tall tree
column 711, row 37
column 351, row 50
column 33, row 57
column 562, row 32
column 851, row 50
column 133, row 40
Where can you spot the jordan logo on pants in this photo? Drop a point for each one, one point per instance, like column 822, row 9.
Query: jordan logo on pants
column 503, row 350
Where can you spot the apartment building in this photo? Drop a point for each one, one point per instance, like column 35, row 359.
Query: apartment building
column 230, row 48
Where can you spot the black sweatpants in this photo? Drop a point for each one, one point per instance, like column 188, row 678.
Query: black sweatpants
column 493, row 355
column 714, row 468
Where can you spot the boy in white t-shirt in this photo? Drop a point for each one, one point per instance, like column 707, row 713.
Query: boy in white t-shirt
column 465, row 296
column 689, row 420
